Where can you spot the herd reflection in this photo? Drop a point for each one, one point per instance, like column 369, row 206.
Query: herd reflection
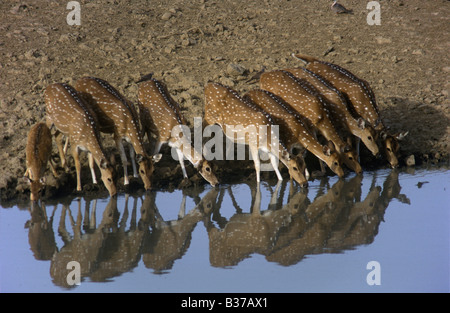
column 336, row 219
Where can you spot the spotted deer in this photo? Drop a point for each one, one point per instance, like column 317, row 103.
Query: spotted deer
column 306, row 100
column 223, row 106
column 362, row 101
column 160, row 114
column 117, row 115
column 337, row 105
column 294, row 128
column 38, row 156
column 72, row 116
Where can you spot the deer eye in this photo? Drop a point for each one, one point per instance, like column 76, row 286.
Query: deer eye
column 295, row 168
column 388, row 149
column 370, row 137
column 336, row 163
column 142, row 172
column 110, row 180
column 208, row 169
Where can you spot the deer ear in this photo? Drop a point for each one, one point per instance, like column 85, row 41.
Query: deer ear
column 104, row 164
column 329, row 148
column 27, row 179
column 349, row 141
column 401, row 135
column 346, row 148
column 361, row 123
column 157, row 157
column 383, row 135
column 377, row 122
column 139, row 158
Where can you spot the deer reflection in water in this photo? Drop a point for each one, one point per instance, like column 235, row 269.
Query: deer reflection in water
column 335, row 219
column 169, row 240
column 41, row 236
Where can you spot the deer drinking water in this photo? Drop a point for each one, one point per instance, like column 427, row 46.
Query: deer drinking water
column 296, row 132
column 38, row 153
column 223, row 106
column 305, row 99
column 362, row 100
column 117, row 115
column 338, row 107
column 73, row 117
column 160, row 114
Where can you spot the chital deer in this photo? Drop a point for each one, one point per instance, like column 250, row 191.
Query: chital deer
column 296, row 131
column 337, row 105
column 159, row 114
column 362, row 100
column 73, row 117
column 38, row 153
column 306, row 100
column 117, row 115
column 223, row 106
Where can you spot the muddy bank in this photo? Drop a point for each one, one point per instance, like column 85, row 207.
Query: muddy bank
column 187, row 43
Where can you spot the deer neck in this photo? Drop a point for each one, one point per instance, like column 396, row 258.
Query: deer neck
column 94, row 146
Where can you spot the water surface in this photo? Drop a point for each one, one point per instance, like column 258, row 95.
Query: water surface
column 239, row 238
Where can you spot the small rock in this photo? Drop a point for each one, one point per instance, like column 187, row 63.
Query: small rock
column 382, row 40
column 410, row 161
column 166, row 16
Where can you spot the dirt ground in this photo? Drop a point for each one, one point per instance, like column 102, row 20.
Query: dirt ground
column 186, row 43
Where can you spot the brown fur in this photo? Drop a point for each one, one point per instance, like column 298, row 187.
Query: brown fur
column 38, row 152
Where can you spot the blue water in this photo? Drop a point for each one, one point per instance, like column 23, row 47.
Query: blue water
column 236, row 239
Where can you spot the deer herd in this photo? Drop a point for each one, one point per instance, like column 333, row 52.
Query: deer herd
column 320, row 108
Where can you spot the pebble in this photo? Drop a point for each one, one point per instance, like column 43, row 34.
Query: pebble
column 383, row 40
column 166, row 16
column 418, row 52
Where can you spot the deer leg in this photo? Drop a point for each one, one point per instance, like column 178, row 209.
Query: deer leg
column 76, row 158
column 322, row 167
column 358, row 141
column 181, row 160
column 52, row 167
column 66, row 145
column 255, row 155
column 61, row 150
column 157, row 148
column 91, row 166
column 256, row 208
column 321, row 163
column 123, row 157
column 274, row 162
column 182, row 212
column 273, row 198
column 133, row 160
